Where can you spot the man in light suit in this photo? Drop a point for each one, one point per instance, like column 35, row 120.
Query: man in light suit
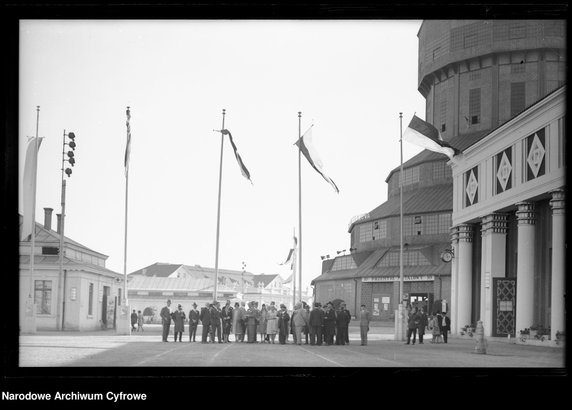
column 166, row 319
column 300, row 319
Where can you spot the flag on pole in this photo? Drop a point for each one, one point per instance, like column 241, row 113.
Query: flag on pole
column 425, row 135
column 291, row 255
column 307, row 148
column 29, row 187
column 128, row 146
column 243, row 168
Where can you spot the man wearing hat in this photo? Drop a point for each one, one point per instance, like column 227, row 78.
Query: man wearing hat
column 193, row 322
column 166, row 319
column 179, row 320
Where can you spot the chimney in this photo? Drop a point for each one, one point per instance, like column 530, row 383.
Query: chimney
column 48, row 218
column 59, row 222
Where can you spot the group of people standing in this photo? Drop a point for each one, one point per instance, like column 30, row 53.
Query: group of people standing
column 315, row 327
column 418, row 322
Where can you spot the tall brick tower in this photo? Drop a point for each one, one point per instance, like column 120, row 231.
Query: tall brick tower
column 477, row 74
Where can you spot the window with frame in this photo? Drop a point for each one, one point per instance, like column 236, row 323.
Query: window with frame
column 516, row 32
column 90, row 300
column 410, row 258
column 470, row 40
column 43, row 296
column 475, row 106
column 410, row 176
column 439, row 171
column 517, row 97
column 344, row 263
column 365, row 232
column 379, row 230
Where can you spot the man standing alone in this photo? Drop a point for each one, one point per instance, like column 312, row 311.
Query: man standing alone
column 166, row 319
column 364, row 319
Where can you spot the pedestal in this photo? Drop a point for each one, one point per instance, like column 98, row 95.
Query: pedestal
column 28, row 324
column 123, row 323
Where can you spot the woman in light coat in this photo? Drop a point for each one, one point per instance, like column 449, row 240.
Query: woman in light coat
column 271, row 323
column 300, row 319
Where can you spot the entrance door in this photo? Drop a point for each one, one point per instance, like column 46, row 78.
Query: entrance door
column 504, row 308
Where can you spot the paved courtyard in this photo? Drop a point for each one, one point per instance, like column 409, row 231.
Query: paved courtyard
column 107, row 349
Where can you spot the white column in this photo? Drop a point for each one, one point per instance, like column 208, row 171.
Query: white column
column 493, row 264
column 454, row 269
column 557, row 319
column 526, row 217
column 464, row 274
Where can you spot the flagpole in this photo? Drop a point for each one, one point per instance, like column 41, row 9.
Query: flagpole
column 401, row 179
column 126, row 213
column 299, row 205
column 218, row 210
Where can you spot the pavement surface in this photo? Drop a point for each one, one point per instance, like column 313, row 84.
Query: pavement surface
column 145, row 349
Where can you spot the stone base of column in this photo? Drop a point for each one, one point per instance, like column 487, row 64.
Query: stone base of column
column 28, row 322
column 400, row 324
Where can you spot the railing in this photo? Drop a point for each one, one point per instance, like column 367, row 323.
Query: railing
column 357, row 218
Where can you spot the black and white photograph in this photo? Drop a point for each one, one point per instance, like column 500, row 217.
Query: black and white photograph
column 290, row 195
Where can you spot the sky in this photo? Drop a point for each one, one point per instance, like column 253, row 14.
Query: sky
column 349, row 79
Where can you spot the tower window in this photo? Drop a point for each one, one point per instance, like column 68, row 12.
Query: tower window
column 517, row 98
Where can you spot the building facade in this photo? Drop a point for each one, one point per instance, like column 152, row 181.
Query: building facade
column 508, row 224
column 84, row 295
column 370, row 274
column 150, row 287
column 495, row 89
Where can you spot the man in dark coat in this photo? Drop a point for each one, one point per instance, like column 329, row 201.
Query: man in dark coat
column 342, row 322
column 133, row 320
column 166, row 319
column 445, row 325
column 215, row 322
column 193, row 323
column 283, row 319
column 413, row 321
column 330, row 324
column 316, row 323
column 206, row 321
column 423, row 323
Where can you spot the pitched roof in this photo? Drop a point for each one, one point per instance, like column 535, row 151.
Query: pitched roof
column 146, row 283
column 158, row 269
column 434, row 198
column 49, row 235
column 369, row 266
column 265, row 279
column 69, row 264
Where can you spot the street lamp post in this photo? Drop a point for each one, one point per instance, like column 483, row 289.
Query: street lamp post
column 71, row 160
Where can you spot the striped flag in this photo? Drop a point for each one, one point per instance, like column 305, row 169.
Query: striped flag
column 307, row 148
column 425, row 135
column 291, row 255
column 241, row 165
column 29, row 187
column 128, row 146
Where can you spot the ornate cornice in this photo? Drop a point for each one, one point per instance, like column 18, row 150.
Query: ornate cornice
column 526, row 213
column 454, row 234
column 496, row 222
column 465, row 232
column 557, row 202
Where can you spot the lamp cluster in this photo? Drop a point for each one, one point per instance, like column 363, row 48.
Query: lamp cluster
column 70, row 154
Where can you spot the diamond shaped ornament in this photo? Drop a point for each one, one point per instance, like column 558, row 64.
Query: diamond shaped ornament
column 503, row 173
column 535, row 155
column 472, row 186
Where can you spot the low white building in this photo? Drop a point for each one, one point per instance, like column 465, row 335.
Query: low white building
column 85, row 295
